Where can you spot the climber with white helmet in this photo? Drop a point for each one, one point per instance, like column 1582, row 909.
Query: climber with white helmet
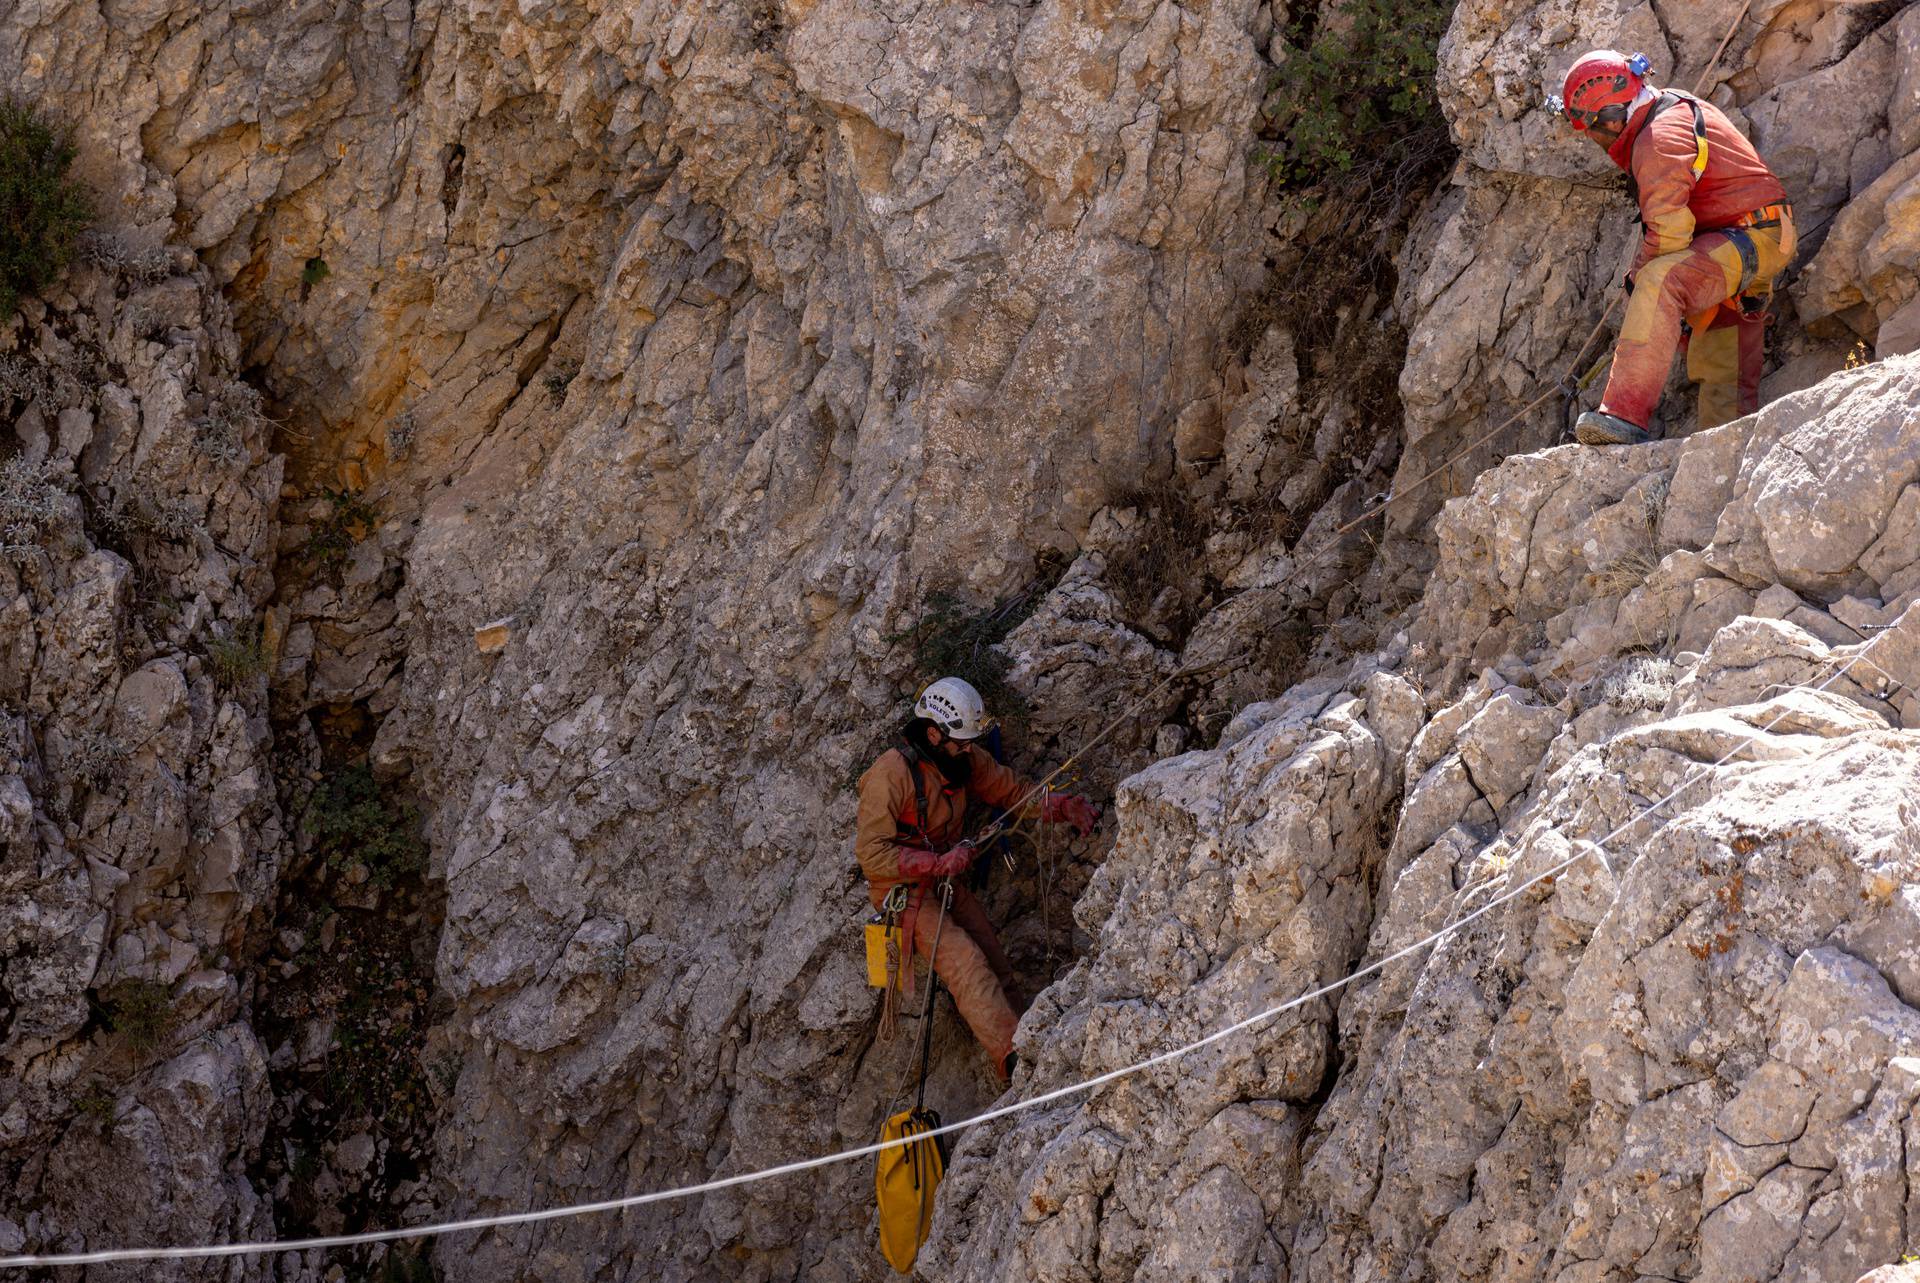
column 913, row 807
column 1718, row 233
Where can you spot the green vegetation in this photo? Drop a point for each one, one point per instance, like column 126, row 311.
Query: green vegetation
column 140, row 1011
column 952, row 640
column 42, row 211
column 98, row 1104
column 238, row 659
column 354, row 821
column 1355, row 87
column 315, row 271
column 349, row 519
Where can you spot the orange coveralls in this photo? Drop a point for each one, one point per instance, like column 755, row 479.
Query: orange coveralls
column 1689, row 267
column 970, row 961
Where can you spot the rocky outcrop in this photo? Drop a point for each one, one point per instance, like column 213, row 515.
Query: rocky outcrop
column 141, row 830
column 1686, row 1052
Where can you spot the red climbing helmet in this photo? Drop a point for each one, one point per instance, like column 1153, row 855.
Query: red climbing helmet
column 1600, row 88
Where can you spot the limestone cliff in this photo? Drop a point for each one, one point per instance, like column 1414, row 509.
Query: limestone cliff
column 639, row 372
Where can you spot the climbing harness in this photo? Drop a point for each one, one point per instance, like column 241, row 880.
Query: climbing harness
column 1673, row 97
column 908, row 1169
column 906, row 910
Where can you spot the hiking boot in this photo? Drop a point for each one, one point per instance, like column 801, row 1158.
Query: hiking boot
column 1597, row 427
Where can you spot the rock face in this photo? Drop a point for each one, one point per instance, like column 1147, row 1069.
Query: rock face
column 1689, row 1053
column 643, row 369
column 141, row 828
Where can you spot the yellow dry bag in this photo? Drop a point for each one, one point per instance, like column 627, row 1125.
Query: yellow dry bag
column 883, row 935
column 904, row 1180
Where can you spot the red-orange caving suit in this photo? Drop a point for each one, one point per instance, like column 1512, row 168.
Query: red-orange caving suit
column 970, row 961
column 1690, row 267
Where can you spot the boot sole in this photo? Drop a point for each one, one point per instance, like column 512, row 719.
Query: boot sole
column 1588, row 434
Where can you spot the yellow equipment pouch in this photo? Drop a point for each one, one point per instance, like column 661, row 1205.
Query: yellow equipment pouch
column 905, row 1178
column 881, row 933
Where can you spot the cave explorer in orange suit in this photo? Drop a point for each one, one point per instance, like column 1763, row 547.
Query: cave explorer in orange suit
column 1718, row 233
column 910, row 832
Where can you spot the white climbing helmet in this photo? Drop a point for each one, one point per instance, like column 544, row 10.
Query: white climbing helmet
column 955, row 707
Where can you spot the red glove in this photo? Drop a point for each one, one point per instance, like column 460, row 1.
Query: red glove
column 1066, row 808
column 936, row 864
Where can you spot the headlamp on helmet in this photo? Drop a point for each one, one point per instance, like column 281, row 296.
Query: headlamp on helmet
column 1601, row 88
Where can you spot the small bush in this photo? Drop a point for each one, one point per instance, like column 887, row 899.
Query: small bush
column 400, row 434
column 51, row 383
column 96, row 760
column 136, row 510
column 42, row 211
column 140, row 1011
column 559, row 379
column 97, row 1103
column 148, row 320
column 109, row 253
column 951, row 639
column 1642, row 683
column 354, row 821
column 1352, row 89
column 238, row 659
column 349, row 519
column 315, row 272
column 174, row 518
column 232, row 413
column 29, row 500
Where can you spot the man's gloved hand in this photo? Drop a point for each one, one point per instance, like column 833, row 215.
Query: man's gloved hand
column 1066, row 808
column 937, row 864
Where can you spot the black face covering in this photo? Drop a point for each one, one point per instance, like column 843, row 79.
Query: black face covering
column 957, row 770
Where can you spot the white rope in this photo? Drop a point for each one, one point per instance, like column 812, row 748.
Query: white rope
column 1003, row 1111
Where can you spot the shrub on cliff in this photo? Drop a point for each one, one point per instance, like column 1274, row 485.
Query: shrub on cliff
column 42, row 211
column 355, row 821
column 1354, row 85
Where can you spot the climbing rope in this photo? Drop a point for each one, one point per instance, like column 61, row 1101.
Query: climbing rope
column 1713, row 63
column 1596, row 847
